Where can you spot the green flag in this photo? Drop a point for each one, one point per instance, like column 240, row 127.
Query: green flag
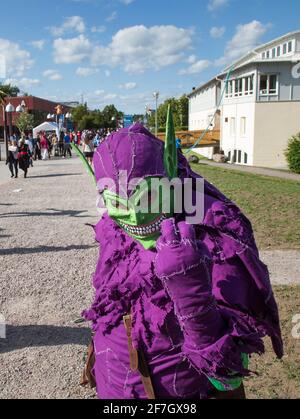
column 171, row 156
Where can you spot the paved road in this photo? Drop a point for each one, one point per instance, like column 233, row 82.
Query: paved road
column 47, row 257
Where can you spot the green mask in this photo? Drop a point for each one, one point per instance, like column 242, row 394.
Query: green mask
column 142, row 214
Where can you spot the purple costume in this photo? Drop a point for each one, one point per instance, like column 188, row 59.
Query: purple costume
column 196, row 307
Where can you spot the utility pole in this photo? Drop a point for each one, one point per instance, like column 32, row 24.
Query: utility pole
column 156, row 96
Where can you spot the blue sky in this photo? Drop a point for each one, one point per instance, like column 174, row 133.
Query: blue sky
column 120, row 51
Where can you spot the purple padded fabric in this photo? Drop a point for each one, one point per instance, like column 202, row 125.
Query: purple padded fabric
column 230, row 317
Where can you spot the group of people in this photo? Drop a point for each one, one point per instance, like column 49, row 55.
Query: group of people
column 23, row 151
column 19, row 156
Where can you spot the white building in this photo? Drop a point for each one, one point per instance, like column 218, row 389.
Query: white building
column 260, row 108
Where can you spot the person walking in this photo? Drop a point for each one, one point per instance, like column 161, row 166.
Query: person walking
column 88, row 147
column 29, row 142
column 67, row 145
column 54, row 142
column 24, row 157
column 44, row 147
column 12, row 158
column 61, row 144
column 37, row 148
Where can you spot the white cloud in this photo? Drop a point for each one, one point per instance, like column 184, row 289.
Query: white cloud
column 135, row 49
column 139, row 48
column 246, row 38
column 191, row 59
column 107, row 73
column 98, row 29
column 71, row 24
column 217, row 32
column 110, row 96
column 38, row 44
column 23, row 83
column 86, row 71
column 196, row 68
column 74, row 50
column 214, row 5
column 17, row 61
column 52, row 75
column 128, row 86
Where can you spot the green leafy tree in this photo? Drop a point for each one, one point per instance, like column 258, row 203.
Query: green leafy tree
column 9, row 90
column 293, row 153
column 180, row 109
column 78, row 115
column 25, row 122
column 111, row 117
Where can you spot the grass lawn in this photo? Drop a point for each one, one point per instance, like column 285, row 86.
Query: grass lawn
column 279, row 379
column 272, row 204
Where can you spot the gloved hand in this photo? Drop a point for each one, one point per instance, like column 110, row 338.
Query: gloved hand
column 184, row 265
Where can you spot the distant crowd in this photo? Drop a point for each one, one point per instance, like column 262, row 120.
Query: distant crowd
column 26, row 149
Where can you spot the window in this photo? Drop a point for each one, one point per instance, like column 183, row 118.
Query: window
column 229, row 90
column 249, row 85
column 229, row 156
column 278, row 51
column 273, row 84
column 235, row 156
column 245, row 158
column 268, row 84
column 273, row 52
column 243, row 127
column 232, row 127
column 290, row 46
column 263, row 85
column 238, row 87
column 268, row 54
column 240, row 157
column 263, row 55
column 284, row 48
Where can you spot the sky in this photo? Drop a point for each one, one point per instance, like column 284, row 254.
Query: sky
column 121, row 51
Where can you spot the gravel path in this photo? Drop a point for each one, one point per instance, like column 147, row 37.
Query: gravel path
column 47, row 257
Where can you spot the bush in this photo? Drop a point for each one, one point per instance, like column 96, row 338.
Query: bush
column 293, row 153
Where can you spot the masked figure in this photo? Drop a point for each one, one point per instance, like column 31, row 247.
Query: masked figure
column 179, row 308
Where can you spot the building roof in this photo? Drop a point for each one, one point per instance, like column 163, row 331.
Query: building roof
column 252, row 57
column 204, row 86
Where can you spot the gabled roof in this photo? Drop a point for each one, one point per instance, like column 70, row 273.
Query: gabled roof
column 250, row 58
column 251, row 54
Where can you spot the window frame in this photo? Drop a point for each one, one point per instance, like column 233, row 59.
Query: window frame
column 266, row 92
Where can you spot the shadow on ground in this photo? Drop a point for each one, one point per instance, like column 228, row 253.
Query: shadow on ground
column 42, row 249
column 54, row 175
column 20, row 337
column 50, row 212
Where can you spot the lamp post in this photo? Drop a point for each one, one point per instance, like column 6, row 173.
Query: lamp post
column 68, row 118
column 156, row 96
column 9, row 110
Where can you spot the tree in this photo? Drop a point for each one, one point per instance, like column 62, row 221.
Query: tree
column 79, row 113
column 25, row 122
column 293, row 153
column 111, row 117
column 9, row 90
column 180, row 108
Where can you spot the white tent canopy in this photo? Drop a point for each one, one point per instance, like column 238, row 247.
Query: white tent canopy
column 46, row 127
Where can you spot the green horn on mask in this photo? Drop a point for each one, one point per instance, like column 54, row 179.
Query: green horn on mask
column 170, row 155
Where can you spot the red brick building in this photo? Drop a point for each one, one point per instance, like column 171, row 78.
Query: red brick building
column 40, row 108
